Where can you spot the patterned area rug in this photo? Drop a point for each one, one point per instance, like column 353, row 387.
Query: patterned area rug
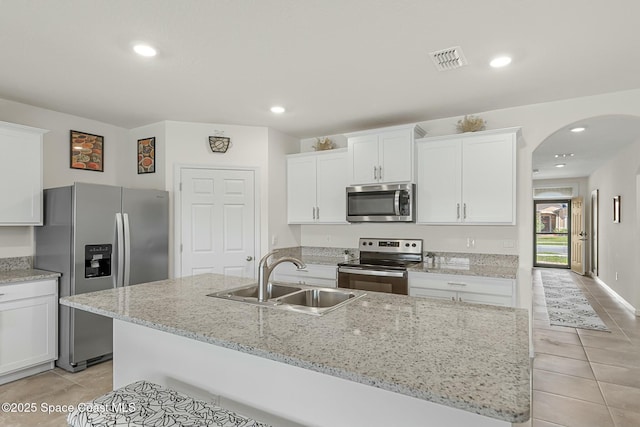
column 566, row 304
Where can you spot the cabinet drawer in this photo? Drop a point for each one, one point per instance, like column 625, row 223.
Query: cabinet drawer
column 16, row 291
column 504, row 301
column 313, row 274
column 461, row 283
column 432, row 293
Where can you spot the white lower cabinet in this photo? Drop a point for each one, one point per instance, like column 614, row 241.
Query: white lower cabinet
column 473, row 289
column 28, row 328
column 313, row 274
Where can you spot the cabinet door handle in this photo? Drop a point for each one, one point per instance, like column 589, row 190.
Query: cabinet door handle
column 317, row 212
column 313, row 209
column 375, row 172
column 464, row 211
column 380, row 172
column 249, row 258
column 458, row 211
column 453, row 298
column 456, row 284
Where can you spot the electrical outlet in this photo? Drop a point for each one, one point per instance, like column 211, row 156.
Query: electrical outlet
column 215, row 399
column 274, row 240
column 471, row 242
column 616, row 275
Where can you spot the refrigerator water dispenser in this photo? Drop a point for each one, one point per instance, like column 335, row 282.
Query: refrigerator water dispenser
column 97, row 260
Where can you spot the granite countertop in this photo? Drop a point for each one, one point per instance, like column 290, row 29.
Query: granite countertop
column 470, row 357
column 26, row 275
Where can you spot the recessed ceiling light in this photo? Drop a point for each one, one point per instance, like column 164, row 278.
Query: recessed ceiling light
column 145, row 50
column 501, row 61
column 277, row 109
column 561, row 165
column 578, row 129
column 564, row 155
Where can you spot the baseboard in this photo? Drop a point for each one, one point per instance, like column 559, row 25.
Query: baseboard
column 27, row 372
column 615, row 295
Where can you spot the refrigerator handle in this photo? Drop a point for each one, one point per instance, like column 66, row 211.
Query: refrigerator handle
column 120, row 248
column 127, row 250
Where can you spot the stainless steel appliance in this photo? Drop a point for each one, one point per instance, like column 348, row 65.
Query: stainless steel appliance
column 382, row 266
column 381, row 203
column 99, row 237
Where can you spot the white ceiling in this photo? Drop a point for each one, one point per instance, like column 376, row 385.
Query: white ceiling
column 336, row 65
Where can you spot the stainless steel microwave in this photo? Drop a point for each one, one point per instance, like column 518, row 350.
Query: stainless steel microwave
column 381, row 203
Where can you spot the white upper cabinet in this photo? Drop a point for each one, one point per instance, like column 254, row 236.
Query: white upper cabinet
column 316, row 185
column 382, row 155
column 20, row 174
column 467, row 178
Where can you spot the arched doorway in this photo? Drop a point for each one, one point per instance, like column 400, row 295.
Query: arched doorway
column 562, row 165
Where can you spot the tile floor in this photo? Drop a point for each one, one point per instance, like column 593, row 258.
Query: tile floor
column 55, row 387
column 581, row 378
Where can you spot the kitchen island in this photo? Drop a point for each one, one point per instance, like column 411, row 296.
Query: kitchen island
column 380, row 360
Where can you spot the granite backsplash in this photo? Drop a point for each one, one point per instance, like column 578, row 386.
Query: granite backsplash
column 436, row 258
column 16, row 263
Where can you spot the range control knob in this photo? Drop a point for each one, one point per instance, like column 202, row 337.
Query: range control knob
column 406, row 244
column 414, row 245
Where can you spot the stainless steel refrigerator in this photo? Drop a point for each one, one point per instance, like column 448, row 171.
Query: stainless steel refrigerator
column 99, row 237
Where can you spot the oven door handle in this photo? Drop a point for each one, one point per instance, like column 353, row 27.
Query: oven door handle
column 372, row 272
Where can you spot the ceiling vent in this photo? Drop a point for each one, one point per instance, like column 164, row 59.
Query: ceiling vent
column 448, row 59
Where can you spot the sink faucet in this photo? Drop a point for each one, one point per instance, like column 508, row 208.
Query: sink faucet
column 265, row 269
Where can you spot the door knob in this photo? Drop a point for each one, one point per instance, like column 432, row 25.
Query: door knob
column 249, row 258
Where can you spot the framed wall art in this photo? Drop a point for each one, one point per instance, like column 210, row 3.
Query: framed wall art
column 616, row 209
column 87, row 151
column 147, row 155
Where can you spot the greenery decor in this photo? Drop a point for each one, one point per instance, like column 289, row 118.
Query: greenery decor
column 323, row 144
column 471, row 124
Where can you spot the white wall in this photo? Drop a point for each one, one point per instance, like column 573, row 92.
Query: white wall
column 18, row 241
column 619, row 243
column 187, row 144
column 281, row 235
column 488, row 239
column 251, row 147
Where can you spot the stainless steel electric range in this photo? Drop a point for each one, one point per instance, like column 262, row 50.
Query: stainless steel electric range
column 382, row 266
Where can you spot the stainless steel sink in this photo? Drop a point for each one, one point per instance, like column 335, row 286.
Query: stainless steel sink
column 250, row 293
column 299, row 298
column 320, row 298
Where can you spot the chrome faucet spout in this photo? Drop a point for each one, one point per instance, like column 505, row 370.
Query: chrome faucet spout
column 265, row 269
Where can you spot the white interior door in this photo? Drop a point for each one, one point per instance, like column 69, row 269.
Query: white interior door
column 218, row 222
column 578, row 235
